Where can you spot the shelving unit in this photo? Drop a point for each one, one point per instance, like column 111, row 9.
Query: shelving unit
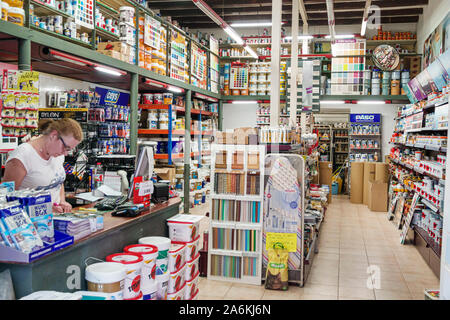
column 340, row 146
column 325, row 134
column 235, row 243
column 365, row 137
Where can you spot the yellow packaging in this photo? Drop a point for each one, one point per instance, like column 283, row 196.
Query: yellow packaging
column 16, row 15
column 4, row 13
column 277, row 269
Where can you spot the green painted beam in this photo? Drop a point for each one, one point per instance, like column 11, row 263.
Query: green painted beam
column 220, row 116
column 134, row 106
column 187, row 153
column 365, row 98
column 24, row 54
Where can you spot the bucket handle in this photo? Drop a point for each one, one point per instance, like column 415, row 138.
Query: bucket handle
column 93, row 258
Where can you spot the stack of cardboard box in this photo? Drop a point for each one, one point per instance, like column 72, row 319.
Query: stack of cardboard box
column 369, row 184
column 117, row 49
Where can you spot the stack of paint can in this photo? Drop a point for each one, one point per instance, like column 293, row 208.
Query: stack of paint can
column 395, row 82
column 127, row 31
column 375, row 82
column 133, row 265
column 161, row 272
column 185, row 237
column 149, row 254
column 386, row 83
column 367, row 81
column 404, row 80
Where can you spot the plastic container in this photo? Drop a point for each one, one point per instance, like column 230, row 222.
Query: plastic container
column 176, row 257
column 162, row 281
column 163, row 245
column 184, row 227
column 126, row 14
column 176, row 279
column 168, row 98
column 133, row 265
column 15, row 15
column 150, row 291
column 149, row 253
column 158, row 97
column 108, row 277
column 179, row 295
column 138, row 297
column 191, row 250
column 191, row 287
column 192, row 268
column 5, row 9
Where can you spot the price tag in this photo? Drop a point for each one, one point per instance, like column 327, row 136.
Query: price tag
column 288, row 240
column 145, row 188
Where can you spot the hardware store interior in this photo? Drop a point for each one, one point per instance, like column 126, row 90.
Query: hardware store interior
column 183, row 152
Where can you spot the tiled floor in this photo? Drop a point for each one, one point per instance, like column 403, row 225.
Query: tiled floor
column 352, row 239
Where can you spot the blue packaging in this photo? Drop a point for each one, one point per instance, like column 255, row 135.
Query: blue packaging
column 22, row 231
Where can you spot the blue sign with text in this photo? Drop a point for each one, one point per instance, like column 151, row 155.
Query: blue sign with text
column 365, row 117
column 112, row 97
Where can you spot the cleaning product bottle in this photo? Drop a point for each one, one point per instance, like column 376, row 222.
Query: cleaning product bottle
column 98, row 178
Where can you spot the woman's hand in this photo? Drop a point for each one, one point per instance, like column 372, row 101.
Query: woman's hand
column 66, row 207
column 62, row 207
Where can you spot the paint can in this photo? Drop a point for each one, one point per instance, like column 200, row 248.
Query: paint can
column 133, row 265
column 162, row 281
column 108, row 277
column 163, row 245
column 149, row 253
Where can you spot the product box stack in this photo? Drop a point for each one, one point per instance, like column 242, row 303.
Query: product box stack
column 115, row 49
column 184, row 257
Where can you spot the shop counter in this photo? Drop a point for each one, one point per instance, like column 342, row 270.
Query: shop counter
column 63, row 270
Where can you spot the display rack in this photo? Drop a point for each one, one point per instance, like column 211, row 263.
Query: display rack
column 325, row 134
column 235, row 232
column 340, row 146
column 365, row 137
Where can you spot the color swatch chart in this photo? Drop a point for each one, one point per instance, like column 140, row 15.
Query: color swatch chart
column 84, row 13
column 229, row 183
column 347, row 67
column 235, row 239
column 250, row 267
column 225, row 266
column 236, row 210
column 239, row 78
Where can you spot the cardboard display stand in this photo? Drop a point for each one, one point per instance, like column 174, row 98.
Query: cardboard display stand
column 356, row 182
column 369, row 175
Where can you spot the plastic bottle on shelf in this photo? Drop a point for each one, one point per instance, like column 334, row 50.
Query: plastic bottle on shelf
column 98, row 176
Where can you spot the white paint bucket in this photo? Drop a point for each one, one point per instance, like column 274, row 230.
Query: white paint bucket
column 108, row 277
column 163, row 245
column 126, row 14
column 162, row 281
column 133, row 265
column 176, row 280
column 184, row 227
column 138, row 297
column 191, row 287
column 179, row 295
column 150, row 291
column 176, row 257
column 149, row 253
column 191, row 250
column 195, row 297
column 191, row 268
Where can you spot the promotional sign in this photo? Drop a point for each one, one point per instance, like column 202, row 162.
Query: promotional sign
column 112, row 97
column 365, row 117
column 78, row 114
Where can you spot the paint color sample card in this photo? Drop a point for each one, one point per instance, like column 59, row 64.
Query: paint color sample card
column 348, row 63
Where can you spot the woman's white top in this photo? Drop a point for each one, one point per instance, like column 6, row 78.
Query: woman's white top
column 41, row 174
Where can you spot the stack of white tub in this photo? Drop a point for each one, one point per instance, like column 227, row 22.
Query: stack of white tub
column 184, row 257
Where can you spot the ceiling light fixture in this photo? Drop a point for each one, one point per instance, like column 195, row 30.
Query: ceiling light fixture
column 243, row 102
column 113, row 72
column 202, row 96
column 332, row 102
column 341, row 36
column 252, row 24
column 370, row 102
column 251, row 51
column 300, row 37
column 237, row 38
column 175, row 89
column 156, row 84
column 209, row 12
column 68, row 58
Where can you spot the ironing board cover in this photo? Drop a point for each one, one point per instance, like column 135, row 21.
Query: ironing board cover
column 282, row 207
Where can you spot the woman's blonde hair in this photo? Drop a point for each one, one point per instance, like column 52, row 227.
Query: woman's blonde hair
column 64, row 126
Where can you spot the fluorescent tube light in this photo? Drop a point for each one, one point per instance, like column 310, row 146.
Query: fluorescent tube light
column 252, row 24
column 341, row 36
column 156, row 84
column 109, row 71
column 252, row 53
column 234, row 35
column 175, row 89
column 209, row 12
column 370, row 102
column 332, row 102
column 69, row 58
column 363, row 28
column 243, row 102
column 299, row 37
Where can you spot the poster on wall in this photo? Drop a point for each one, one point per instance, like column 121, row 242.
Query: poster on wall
column 416, row 89
column 432, row 47
column 446, row 33
column 426, row 82
column 437, row 73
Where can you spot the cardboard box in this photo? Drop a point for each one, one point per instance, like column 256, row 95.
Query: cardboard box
column 241, row 135
column 356, row 182
column 111, row 53
column 166, row 173
column 381, row 172
column 378, row 196
column 326, row 175
column 369, row 175
column 114, row 45
column 223, row 137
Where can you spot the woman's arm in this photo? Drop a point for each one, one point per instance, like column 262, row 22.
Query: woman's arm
column 65, row 206
column 14, row 171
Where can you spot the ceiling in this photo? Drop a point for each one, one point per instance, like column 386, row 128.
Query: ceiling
column 347, row 12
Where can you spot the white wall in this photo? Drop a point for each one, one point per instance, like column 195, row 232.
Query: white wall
column 432, row 16
column 239, row 115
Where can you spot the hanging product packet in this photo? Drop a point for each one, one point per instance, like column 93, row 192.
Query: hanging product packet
column 19, row 226
column 277, row 268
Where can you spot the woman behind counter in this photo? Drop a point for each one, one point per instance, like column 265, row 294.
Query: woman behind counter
column 38, row 164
